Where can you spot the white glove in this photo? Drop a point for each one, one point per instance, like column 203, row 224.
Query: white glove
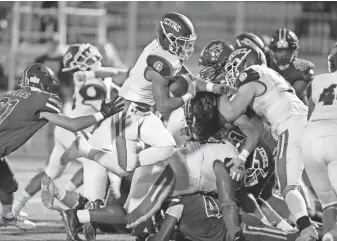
column 328, row 237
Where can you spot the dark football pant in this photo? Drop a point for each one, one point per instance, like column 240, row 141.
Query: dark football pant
column 8, row 184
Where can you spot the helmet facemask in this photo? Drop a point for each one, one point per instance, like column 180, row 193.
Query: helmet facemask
column 182, row 47
column 232, row 68
column 87, row 58
column 284, row 57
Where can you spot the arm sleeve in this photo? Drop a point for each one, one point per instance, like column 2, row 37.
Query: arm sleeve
column 52, row 104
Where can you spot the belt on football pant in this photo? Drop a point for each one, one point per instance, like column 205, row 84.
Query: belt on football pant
column 142, row 107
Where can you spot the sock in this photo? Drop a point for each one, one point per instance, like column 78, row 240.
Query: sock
column 265, row 221
column 284, row 225
column 71, row 186
column 7, row 211
column 83, row 216
column 296, row 204
column 70, row 199
column 25, row 196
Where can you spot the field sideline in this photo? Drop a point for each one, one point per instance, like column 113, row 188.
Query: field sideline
column 48, row 223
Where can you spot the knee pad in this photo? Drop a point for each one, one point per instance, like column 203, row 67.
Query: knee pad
column 7, row 181
column 327, row 198
column 289, row 188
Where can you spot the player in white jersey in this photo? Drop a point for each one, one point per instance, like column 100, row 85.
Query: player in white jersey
column 319, row 141
column 88, row 97
column 272, row 98
column 147, row 85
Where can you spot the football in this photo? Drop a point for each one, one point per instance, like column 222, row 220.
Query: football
column 178, row 85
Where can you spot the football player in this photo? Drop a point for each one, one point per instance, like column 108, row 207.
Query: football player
column 147, row 85
column 199, row 217
column 272, row 98
column 284, row 45
column 24, row 112
column 318, row 143
column 88, row 95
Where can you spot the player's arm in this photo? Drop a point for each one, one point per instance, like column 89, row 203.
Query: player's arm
column 311, row 104
column 118, row 75
column 253, row 129
column 300, row 86
column 159, row 71
column 173, row 214
column 51, row 114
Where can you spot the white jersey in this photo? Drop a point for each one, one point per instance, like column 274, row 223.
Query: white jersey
column 278, row 102
column 87, row 98
column 324, row 96
column 138, row 89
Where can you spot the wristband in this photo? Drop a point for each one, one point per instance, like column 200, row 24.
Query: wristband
column 98, row 116
column 89, row 74
column 243, row 155
column 186, row 97
column 209, row 87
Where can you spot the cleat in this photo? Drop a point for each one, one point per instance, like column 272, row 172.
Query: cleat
column 71, row 224
column 48, row 192
column 73, row 151
column 18, row 222
column 89, row 229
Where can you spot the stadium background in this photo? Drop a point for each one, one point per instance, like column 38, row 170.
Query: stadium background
column 130, row 26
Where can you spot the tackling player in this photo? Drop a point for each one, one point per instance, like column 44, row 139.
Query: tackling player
column 284, row 45
column 199, row 217
column 23, row 113
column 319, row 143
column 272, row 98
column 147, row 85
column 88, row 95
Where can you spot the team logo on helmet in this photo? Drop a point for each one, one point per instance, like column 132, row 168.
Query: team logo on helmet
column 215, row 50
column 172, row 24
column 34, row 79
column 158, row 65
column 243, row 76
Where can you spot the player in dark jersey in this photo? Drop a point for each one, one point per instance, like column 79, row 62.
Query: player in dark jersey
column 22, row 113
column 199, row 218
column 284, row 45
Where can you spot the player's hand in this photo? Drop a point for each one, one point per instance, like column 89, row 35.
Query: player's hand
column 224, row 89
column 237, row 170
column 328, row 237
column 192, row 89
column 114, row 106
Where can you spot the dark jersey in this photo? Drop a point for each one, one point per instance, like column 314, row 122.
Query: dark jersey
column 201, row 218
column 19, row 116
column 299, row 69
column 206, row 124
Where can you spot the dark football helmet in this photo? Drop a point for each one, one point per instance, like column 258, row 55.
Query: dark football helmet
column 284, row 46
column 176, row 34
column 332, row 59
column 242, row 58
column 248, row 39
column 213, row 59
column 41, row 77
column 81, row 57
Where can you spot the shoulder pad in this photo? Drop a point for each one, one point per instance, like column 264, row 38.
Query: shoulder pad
column 248, row 75
column 160, row 65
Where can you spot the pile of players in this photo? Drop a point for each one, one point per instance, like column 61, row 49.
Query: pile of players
column 212, row 168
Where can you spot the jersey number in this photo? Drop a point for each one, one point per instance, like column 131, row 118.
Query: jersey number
column 328, row 95
column 6, row 107
column 211, row 207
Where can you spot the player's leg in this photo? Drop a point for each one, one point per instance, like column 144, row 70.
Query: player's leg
column 226, row 192
column 8, row 186
column 76, row 181
column 289, row 170
column 53, row 170
column 153, row 133
column 320, row 162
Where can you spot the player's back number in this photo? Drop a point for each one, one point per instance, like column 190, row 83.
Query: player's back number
column 328, row 95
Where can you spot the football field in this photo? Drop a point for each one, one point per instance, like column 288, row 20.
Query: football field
column 48, row 223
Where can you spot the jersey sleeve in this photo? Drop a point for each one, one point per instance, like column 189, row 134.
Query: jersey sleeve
column 250, row 74
column 52, row 104
column 160, row 65
column 307, row 69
